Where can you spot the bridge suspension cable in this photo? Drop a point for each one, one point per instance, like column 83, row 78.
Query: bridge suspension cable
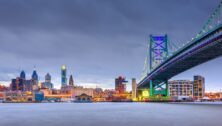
column 214, row 20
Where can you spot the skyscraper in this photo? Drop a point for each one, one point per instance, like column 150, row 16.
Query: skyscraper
column 47, row 83
column 48, row 78
column 63, row 76
column 71, row 82
column 35, row 77
column 134, row 89
column 22, row 75
column 17, row 84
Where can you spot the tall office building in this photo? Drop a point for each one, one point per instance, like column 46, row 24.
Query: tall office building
column 22, row 75
column 71, row 82
column 63, row 76
column 120, row 84
column 17, row 84
column 47, row 83
column 198, row 87
column 134, row 89
column 35, row 77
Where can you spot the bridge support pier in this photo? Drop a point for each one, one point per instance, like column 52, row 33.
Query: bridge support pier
column 158, row 87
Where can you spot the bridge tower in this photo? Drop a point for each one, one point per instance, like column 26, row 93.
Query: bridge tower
column 157, row 52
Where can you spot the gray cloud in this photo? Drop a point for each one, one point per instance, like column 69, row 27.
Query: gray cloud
column 102, row 38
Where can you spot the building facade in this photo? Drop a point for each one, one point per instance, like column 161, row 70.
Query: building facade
column 180, row 89
column 17, row 84
column 198, row 87
column 47, row 83
column 134, row 89
column 63, row 76
column 71, row 81
column 120, row 85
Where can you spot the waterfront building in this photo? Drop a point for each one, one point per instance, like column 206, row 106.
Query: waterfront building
column 39, row 96
column 134, row 89
column 18, row 96
column 78, row 90
column 180, row 89
column 83, row 98
column 63, row 76
column 71, row 81
column 198, row 87
column 120, row 85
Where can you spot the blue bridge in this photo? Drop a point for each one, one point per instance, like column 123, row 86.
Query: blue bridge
column 161, row 64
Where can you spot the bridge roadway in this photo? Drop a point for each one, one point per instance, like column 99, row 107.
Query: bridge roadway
column 198, row 51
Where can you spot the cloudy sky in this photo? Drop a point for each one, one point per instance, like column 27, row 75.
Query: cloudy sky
column 98, row 40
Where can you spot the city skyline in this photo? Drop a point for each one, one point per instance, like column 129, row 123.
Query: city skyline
column 86, row 47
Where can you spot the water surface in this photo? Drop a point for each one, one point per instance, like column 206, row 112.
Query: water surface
column 110, row 114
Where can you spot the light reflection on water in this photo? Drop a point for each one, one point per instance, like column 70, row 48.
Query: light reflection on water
column 110, row 114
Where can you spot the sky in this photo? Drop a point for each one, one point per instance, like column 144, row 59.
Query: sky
column 97, row 40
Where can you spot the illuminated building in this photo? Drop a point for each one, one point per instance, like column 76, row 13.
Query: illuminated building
column 120, row 85
column 80, row 90
column 134, row 89
column 83, row 98
column 198, row 87
column 180, row 89
column 18, row 96
column 63, row 76
column 71, row 82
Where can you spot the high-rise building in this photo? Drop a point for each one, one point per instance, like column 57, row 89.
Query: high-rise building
column 22, row 75
column 134, row 89
column 17, row 84
column 35, row 77
column 120, row 84
column 47, row 83
column 198, row 87
column 48, row 78
column 71, row 82
column 28, row 85
column 180, row 89
column 63, row 76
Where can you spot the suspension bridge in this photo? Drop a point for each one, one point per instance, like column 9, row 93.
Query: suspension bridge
column 165, row 60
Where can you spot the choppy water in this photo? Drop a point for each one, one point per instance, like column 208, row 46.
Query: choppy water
column 110, row 114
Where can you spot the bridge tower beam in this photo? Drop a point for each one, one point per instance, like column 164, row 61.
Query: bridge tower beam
column 158, row 51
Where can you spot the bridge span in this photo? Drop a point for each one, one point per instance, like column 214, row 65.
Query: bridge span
column 207, row 45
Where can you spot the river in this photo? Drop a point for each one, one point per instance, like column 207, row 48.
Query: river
column 110, row 114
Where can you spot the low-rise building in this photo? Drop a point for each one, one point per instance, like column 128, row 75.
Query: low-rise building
column 180, row 89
